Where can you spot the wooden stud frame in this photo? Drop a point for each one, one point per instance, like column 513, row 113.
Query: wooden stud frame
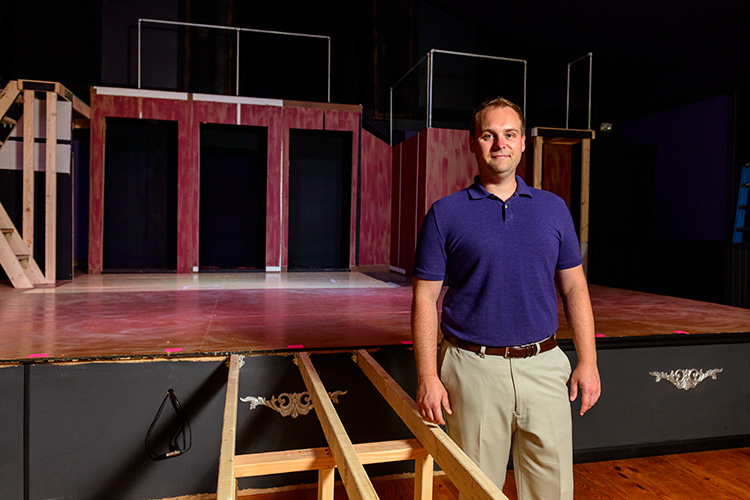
column 51, row 90
column 431, row 442
column 568, row 137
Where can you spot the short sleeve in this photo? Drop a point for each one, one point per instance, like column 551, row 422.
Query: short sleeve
column 430, row 259
column 570, row 250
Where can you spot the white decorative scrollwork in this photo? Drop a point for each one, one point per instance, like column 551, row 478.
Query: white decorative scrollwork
column 686, row 379
column 286, row 404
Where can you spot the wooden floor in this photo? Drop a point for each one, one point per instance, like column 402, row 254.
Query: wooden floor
column 133, row 315
column 714, row 475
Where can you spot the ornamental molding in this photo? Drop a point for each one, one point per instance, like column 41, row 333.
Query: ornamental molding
column 687, row 379
column 289, row 404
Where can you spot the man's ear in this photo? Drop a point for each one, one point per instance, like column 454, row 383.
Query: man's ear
column 523, row 143
column 471, row 144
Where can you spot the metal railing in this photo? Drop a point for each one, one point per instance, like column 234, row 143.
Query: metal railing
column 430, row 75
column 238, row 31
column 590, row 57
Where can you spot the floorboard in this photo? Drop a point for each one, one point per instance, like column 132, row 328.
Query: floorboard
column 715, row 475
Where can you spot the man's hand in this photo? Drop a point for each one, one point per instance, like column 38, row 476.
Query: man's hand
column 432, row 398
column 585, row 379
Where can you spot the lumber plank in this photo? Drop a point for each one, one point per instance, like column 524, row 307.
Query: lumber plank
column 326, row 483
column 50, row 167
column 423, row 472
column 27, row 230
column 356, row 482
column 468, row 478
column 536, row 178
column 227, row 484
column 8, row 96
column 306, row 459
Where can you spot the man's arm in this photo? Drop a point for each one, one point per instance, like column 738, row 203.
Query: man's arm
column 574, row 291
column 431, row 395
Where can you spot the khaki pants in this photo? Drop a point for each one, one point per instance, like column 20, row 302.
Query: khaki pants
column 497, row 402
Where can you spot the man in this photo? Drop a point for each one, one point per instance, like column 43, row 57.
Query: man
column 502, row 247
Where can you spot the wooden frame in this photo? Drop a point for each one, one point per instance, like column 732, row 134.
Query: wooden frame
column 51, row 90
column 569, row 137
column 349, row 458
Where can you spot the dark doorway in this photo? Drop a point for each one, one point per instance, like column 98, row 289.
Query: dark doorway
column 140, row 195
column 320, row 165
column 233, row 197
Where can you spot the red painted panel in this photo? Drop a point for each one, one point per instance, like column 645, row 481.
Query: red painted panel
column 375, row 236
column 271, row 117
column 409, row 193
column 214, row 112
column 450, row 164
column 348, row 121
column 306, row 118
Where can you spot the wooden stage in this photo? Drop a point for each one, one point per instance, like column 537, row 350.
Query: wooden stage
column 155, row 315
column 85, row 365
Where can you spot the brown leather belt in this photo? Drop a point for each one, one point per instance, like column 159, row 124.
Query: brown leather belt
column 521, row 351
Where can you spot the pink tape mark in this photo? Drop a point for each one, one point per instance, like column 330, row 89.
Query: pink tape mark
column 599, row 335
column 295, row 346
column 407, row 342
column 681, row 331
column 38, row 355
column 173, row 349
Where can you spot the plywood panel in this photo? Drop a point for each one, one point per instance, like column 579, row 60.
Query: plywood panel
column 410, row 193
column 396, row 203
column 349, row 121
column 375, row 236
column 271, row 117
column 450, row 164
column 557, row 170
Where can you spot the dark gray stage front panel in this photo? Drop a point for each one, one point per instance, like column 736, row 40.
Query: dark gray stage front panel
column 637, row 411
column 88, row 423
column 11, row 432
column 364, row 413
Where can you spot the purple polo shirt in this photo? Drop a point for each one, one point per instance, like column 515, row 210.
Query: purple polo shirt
column 499, row 259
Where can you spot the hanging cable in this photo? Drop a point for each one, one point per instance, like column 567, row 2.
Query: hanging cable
column 180, row 440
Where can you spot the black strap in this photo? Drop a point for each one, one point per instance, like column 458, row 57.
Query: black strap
column 179, row 441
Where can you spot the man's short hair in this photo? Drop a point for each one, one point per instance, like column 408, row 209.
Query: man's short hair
column 497, row 102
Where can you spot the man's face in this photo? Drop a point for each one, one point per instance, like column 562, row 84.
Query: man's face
column 498, row 143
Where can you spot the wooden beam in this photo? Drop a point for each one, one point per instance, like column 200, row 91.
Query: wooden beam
column 468, row 478
column 79, row 106
column 585, row 188
column 569, row 133
column 227, row 485
column 50, row 214
column 356, row 483
column 326, row 483
column 8, row 96
column 423, row 472
column 307, row 459
column 27, row 229
column 536, row 181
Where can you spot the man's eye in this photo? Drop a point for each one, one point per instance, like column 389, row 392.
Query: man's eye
column 487, row 136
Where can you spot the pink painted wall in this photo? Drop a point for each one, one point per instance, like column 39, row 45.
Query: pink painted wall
column 372, row 159
column 375, row 195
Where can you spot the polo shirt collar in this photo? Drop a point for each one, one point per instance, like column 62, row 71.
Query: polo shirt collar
column 477, row 191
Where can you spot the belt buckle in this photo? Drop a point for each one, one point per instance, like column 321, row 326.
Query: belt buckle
column 507, row 351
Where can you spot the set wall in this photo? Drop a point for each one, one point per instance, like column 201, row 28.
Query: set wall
column 370, row 166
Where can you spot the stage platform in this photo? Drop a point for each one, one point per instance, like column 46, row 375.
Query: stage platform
column 84, row 366
column 112, row 316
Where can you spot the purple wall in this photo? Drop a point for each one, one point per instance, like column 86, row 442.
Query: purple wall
column 690, row 177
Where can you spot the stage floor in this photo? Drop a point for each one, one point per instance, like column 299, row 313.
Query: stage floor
column 114, row 316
